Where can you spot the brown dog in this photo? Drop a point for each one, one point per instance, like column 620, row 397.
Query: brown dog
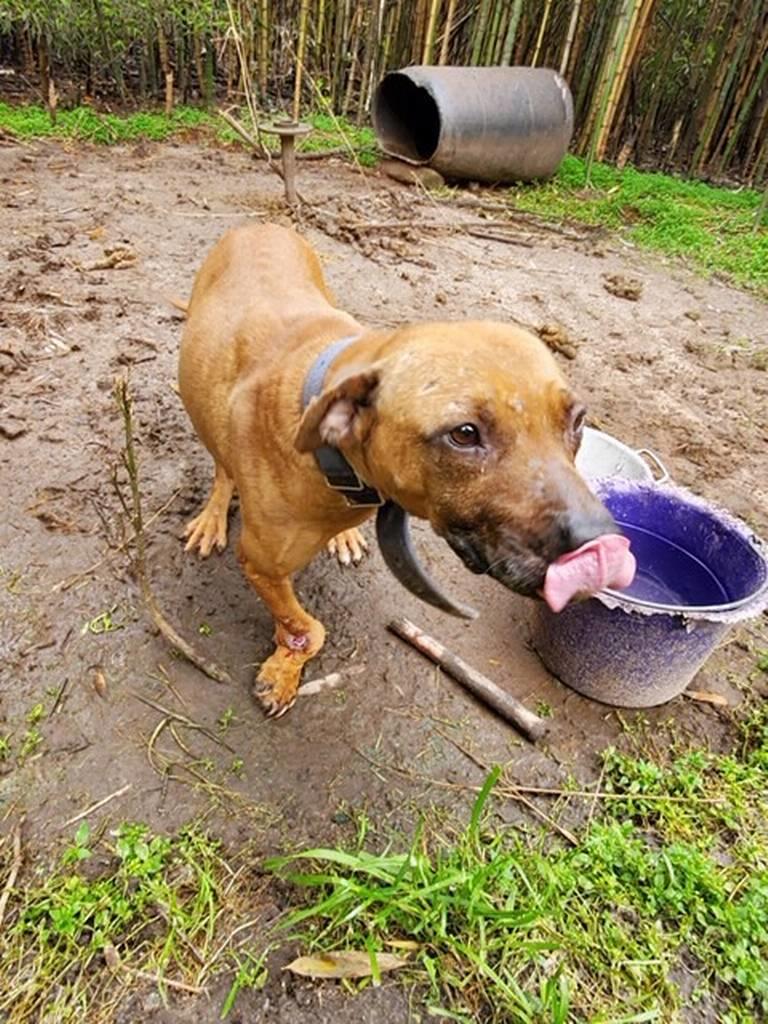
column 469, row 425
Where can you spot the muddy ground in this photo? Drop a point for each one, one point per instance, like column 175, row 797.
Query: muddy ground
column 94, row 242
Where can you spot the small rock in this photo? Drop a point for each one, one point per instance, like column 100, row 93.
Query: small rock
column 410, row 174
column 556, row 338
column 623, row 287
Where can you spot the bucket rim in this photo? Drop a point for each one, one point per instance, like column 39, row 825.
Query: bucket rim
column 619, row 597
column 755, row 601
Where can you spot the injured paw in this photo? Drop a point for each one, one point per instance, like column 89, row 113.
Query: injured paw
column 277, row 684
column 348, row 547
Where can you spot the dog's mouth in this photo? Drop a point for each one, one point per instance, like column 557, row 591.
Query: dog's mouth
column 600, row 562
column 604, row 561
column 518, row 569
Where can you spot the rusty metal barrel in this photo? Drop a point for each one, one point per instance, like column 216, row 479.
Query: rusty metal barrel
column 485, row 124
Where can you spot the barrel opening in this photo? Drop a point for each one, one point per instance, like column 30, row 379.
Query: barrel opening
column 407, row 118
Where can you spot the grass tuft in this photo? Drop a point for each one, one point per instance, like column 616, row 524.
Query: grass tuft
column 88, row 125
column 713, row 228
column 513, row 928
column 151, row 912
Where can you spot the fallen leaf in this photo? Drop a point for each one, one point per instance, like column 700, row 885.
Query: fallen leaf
column 100, row 683
column 343, row 964
column 403, row 944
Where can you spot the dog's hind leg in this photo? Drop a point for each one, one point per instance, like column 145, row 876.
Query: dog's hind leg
column 210, row 527
column 298, row 637
column 348, row 547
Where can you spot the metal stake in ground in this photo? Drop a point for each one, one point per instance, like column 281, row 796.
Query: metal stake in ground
column 288, row 132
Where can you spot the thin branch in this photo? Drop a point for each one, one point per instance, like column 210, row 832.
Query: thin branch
column 209, row 668
column 99, row 804
column 13, row 873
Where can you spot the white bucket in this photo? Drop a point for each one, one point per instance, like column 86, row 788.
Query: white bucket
column 601, row 455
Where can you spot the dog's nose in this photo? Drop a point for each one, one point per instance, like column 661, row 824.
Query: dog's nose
column 578, row 526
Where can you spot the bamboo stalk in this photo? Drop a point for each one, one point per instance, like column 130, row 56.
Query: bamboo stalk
column 263, row 48
column 720, row 93
column 446, row 43
column 509, row 41
column 478, row 37
column 302, row 44
column 542, row 30
column 608, row 76
column 759, row 133
column 638, row 22
column 570, row 36
column 429, row 38
column 744, row 100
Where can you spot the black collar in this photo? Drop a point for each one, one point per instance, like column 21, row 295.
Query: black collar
column 338, row 473
column 392, row 524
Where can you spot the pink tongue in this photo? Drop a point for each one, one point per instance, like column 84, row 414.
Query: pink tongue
column 603, row 562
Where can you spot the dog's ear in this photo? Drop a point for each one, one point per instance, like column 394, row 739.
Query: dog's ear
column 332, row 417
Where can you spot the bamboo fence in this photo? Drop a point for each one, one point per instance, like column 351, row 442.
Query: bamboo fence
column 677, row 84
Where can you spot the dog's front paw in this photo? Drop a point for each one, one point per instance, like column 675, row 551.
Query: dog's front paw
column 206, row 531
column 348, row 547
column 277, row 683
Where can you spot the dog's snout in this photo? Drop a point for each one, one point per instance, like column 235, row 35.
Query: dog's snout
column 578, row 526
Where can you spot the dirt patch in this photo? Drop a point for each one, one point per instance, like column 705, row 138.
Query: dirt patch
column 97, row 241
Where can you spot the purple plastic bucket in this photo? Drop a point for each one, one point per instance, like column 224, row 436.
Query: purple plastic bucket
column 700, row 570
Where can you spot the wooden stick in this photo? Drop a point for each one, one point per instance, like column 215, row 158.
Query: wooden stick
column 485, row 689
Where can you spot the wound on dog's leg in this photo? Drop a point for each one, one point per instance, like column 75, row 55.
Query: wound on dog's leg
column 298, row 637
column 210, row 527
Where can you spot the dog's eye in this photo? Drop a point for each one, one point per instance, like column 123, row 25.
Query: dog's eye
column 465, row 436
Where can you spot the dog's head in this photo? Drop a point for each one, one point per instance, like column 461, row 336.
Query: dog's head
column 472, row 426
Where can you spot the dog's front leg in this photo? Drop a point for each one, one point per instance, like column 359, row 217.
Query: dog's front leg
column 298, row 637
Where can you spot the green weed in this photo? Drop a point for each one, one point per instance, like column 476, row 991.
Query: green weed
column 101, row 623
column 711, row 227
column 30, row 741
column 671, row 877
column 159, row 905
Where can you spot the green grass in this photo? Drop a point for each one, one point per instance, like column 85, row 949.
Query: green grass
column 711, row 227
column 514, row 928
column 88, row 125
column 150, row 908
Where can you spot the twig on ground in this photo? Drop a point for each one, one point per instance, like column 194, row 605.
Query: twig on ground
column 209, row 668
column 485, row 689
column 14, row 871
column 514, row 792
column 114, row 963
column 98, row 805
column 183, row 720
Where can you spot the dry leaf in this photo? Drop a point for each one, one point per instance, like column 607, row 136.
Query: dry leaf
column 707, row 697
column 403, row 944
column 100, row 683
column 344, row 964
